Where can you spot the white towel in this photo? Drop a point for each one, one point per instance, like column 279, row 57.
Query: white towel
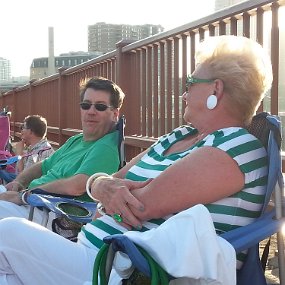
column 187, row 247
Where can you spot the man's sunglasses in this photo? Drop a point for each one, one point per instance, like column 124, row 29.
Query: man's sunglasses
column 23, row 127
column 98, row 106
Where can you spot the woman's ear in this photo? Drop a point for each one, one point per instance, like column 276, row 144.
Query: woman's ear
column 218, row 88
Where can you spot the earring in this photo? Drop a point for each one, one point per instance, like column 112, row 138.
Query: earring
column 212, row 102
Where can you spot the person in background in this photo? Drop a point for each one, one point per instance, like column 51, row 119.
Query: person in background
column 214, row 162
column 67, row 169
column 33, row 146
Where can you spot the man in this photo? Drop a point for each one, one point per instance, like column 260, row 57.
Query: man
column 67, row 170
column 33, row 147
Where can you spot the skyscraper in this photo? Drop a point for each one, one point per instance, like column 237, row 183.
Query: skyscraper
column 5, row 69
column 103, row 37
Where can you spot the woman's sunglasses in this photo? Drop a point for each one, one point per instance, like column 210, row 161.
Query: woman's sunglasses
column 98, row 106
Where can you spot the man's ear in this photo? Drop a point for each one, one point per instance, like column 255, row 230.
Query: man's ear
column 116, row 113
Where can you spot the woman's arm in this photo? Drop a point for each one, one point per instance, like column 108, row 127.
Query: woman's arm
column 115, row 192
column 204, row 176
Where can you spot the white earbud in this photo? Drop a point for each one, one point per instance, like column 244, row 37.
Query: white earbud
column 212, row 102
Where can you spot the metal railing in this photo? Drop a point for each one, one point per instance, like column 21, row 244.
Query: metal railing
column 152, row 73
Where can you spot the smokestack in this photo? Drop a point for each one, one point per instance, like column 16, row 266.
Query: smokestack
column 51, row 62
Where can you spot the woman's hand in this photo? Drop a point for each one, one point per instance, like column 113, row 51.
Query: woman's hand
column 115, row 194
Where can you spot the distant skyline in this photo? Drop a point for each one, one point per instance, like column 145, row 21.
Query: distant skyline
column 24, row 24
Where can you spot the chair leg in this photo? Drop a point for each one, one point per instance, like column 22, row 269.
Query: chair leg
column 31, row 213
column 45, row 217
column 109, row 262
column 281, row 258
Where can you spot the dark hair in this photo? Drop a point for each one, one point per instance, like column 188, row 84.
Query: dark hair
column 100, row 83
column 37, row 124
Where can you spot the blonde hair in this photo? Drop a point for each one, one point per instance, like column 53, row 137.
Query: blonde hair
column 243, row 66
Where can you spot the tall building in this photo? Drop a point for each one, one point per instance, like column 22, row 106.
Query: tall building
column 5, row 69
column 103, row 37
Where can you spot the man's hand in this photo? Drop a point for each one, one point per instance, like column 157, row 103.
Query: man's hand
column 19, row 148
column 14, row 186
column 11, row 196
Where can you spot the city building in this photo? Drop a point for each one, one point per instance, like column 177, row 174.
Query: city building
column 221, row 4
column 40, row 66
column 12, row 83
column 5, row 69
column 103, row 37
column 46, row 66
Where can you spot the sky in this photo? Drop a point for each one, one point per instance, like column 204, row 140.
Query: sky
column 24, row 24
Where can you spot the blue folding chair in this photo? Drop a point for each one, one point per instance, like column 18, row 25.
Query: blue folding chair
column 5, row 175
column 267, row 128
column 67, row 206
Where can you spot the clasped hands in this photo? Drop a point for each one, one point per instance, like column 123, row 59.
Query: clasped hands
column 13, row 193
column 120, row 200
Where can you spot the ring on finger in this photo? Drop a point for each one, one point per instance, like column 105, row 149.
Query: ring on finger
column 118, row 217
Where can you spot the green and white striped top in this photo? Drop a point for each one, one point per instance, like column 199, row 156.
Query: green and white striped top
column 229, row 213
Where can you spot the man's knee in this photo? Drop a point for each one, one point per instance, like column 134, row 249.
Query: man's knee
column 9, row 209
column 11, row 227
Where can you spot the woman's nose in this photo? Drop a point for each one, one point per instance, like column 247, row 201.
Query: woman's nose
column 184, row 95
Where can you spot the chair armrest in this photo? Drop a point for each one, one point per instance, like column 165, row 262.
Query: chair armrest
column 247, row 236
column 58, row 204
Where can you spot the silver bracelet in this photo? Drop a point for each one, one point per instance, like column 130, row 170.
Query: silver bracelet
column 101, row 209
column 22, row 195
column 91, row 179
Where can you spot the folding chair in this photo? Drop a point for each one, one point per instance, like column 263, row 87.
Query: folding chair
column 267, row 128
column 66, row 206
column 7, row 162
column 4, row 129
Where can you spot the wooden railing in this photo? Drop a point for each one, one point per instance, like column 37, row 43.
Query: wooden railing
column 152, row 73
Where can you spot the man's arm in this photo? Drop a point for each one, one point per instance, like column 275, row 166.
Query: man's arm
column 74, row 186
column 23, row 180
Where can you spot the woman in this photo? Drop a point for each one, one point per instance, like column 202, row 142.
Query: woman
column 217, row 163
